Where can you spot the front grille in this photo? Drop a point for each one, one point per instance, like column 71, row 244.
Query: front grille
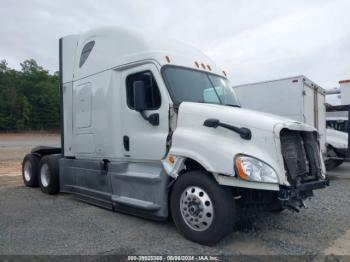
column 301, row 155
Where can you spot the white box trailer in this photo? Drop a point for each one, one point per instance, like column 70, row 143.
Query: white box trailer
column 140, row 116
column 297, row 98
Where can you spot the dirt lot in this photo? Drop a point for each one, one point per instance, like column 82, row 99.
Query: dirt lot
column 34, row 223
column 13, row 147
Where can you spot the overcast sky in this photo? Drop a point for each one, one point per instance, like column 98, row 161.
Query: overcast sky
column 252, row 40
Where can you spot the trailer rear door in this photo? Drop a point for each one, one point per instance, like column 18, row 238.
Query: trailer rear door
column 321, row 118
column 310, row 114
column 315, row 111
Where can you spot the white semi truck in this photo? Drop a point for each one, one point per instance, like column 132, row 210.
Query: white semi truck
column 152, row 127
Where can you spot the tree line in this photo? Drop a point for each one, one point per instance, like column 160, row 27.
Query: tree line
column 29, row 98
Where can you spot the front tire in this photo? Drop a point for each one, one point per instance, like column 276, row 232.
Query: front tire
column 30, row 170
column 203, row 211
column 49, row 174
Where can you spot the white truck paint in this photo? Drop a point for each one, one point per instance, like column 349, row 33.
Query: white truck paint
column 266, row 127
column 150, row 124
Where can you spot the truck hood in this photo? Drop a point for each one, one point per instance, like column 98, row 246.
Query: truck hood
column 242, row 117
column 216, row 148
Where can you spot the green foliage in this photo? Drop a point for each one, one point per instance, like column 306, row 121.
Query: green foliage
column 29, row 99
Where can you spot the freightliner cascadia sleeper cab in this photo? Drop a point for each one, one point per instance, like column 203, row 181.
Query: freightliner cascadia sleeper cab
column 152, row 127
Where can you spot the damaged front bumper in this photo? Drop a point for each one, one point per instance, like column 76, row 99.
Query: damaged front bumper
column 293, row 197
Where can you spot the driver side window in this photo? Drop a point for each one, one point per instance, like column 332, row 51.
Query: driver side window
column 153, row 100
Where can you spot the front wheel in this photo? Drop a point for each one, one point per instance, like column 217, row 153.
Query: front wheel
column 202, row 210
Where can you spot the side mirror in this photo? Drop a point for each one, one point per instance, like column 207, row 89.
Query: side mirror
column 140, row 103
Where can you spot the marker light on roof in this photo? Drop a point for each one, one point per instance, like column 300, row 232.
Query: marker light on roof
column 167, row 59
column 224, row 73
column 196, row 63
column 209, row 67
column 203, row 66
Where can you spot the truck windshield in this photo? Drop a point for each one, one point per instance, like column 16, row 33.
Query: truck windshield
column 188, row 85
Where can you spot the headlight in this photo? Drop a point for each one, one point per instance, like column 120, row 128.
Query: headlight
column 252, row 169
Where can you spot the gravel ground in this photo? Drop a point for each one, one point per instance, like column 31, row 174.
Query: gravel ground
column 34, row 223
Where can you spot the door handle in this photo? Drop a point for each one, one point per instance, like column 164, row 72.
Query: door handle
column 126, row 143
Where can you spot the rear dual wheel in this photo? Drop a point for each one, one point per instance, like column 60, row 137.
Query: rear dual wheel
column 202, row 210
column 49, row 174
column 30, row 167
column 42, row 172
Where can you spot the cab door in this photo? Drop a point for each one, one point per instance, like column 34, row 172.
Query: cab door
column 143, row 140
column 139, row 183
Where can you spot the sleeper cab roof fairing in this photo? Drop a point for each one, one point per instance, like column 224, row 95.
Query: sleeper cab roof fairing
column 86, row 52
column 115, row 46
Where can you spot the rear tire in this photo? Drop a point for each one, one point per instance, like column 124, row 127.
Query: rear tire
column 30, row 170
column 49, row 174
column 203, row 211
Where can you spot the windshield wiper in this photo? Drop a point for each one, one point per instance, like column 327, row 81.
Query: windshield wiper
column 232, row 105
column 202, row 102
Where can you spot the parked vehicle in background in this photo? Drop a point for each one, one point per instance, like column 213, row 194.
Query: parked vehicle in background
column 337, row 144
column 150, row 125
column 338, row 128
column 297, row 98
column 339, row 123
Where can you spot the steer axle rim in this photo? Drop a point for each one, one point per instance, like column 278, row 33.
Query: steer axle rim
column 196, row 208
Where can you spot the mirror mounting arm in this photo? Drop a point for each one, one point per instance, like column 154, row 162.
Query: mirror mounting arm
column 153, row 119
